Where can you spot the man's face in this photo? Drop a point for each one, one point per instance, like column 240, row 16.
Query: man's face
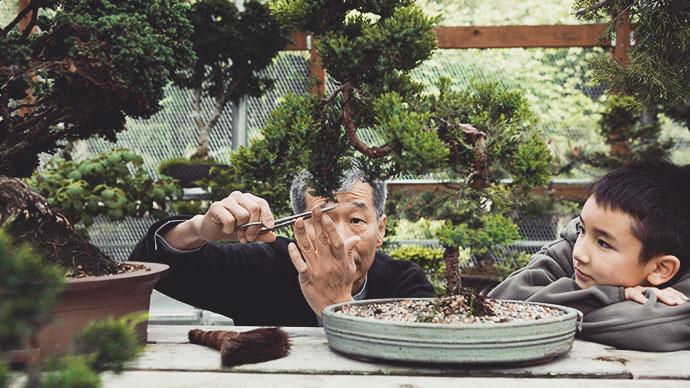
column 356, row 215
column 606, row 252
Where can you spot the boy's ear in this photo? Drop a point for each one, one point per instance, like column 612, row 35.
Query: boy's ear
column 664, row 268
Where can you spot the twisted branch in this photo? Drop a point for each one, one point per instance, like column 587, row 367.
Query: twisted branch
column 351, row 130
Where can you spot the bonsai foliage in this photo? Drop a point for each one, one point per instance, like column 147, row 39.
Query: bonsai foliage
column 631, row 133
column 87, row 65
column 476, row 137
column 28, row 291
column 659, row 70
column 103, row 185
column 232, row 47
column 90, row 64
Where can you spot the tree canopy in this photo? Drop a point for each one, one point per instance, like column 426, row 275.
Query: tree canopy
column 87, row 66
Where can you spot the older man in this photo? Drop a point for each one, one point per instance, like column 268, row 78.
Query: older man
column 273, row 282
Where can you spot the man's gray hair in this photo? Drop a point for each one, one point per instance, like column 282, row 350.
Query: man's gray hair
column 298, row 190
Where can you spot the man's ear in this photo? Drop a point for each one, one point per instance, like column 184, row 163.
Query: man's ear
column 382, row 230
column 663, row 269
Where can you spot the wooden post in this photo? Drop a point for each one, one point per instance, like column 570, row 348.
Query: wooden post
column 315, row 68
column 620, row 50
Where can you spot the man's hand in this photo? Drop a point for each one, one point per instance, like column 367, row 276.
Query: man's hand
column 220, row 221
column 328, row 270
column 668, row 295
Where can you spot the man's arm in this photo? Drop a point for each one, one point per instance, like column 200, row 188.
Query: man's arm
column 220, row 221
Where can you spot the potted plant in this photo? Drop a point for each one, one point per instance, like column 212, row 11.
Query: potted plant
column 85, row 68
column 29, row 289
column 232, row 48
column 474, row 137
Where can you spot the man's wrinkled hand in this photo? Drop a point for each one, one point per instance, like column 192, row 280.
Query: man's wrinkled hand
column 238, row 208
column 328, row 270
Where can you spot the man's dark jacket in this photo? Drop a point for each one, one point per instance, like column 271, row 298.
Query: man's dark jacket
column 256, row 284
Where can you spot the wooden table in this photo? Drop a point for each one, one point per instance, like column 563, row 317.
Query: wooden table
column 169, row 360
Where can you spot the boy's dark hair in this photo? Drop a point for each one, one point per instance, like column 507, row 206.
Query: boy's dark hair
column 657, row 195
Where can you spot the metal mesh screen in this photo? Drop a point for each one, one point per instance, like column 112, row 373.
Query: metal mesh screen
column 172, row 132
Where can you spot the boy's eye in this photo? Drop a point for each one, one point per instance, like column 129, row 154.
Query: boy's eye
column 603, row 244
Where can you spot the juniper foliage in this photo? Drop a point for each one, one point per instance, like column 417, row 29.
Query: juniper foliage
column 659, row 70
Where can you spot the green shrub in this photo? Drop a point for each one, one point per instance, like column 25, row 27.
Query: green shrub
column 104, row 185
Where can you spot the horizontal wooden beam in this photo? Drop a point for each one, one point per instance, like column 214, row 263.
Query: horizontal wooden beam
column 580, row 35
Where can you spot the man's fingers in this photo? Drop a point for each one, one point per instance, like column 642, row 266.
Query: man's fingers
column 266, row 214
column 303, row 240
column 253, row 209
column 332, row 237
column 350, row 242
column 317, row 221
column 224, row 218
column 296, row 258
column 267, row 237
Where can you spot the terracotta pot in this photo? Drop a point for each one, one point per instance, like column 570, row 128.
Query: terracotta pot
column 89, row 299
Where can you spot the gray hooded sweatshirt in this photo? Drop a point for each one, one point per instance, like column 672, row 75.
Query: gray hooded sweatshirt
column 608, row 318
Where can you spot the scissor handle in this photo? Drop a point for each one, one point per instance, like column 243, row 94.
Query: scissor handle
column 282, row 222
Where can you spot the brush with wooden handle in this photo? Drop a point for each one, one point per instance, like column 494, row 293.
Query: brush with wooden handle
column 248, row 347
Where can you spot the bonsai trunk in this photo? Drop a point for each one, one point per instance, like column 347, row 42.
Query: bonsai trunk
column 29, row 219
column 453, row 282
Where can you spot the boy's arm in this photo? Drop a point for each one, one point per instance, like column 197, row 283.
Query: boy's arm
column 652, row 326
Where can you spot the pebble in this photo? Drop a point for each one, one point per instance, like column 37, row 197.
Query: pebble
column 449, row 310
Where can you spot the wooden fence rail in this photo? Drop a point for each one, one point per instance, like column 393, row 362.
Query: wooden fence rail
column 547, row 36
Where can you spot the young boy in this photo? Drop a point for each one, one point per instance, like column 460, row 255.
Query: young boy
column 623, row 262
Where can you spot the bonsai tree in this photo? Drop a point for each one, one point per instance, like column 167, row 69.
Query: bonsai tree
column 232, row 47
column 88, row 66
column 476, row 137
column 631, row 133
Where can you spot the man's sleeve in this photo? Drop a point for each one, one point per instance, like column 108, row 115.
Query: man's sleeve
column 216, row 277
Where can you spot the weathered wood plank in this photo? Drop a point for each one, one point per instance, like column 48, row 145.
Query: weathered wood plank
column 581, row 35
column 310, row 355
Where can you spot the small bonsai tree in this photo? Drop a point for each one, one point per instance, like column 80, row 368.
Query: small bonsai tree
column 631, row 133
column 88, row 66
column 232, row 47
column 476, row 137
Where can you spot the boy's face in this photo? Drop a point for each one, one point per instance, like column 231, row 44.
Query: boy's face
column 606, row 252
